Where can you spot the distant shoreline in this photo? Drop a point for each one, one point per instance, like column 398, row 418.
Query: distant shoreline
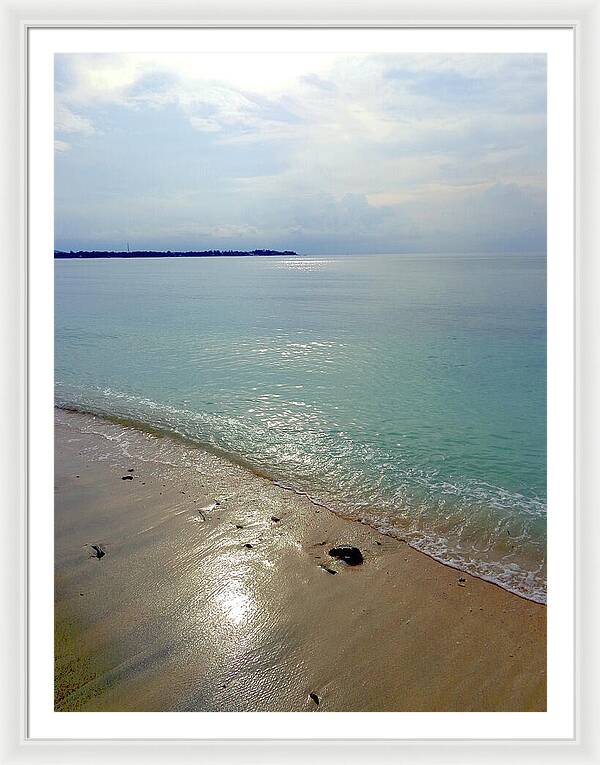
column 87, row 254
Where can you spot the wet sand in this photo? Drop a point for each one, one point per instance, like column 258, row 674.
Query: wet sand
column 211, row 596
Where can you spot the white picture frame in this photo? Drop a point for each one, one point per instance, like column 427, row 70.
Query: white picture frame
column 20, row 17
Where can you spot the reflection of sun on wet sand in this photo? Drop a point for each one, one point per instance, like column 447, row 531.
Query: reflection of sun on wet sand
column 216, row 592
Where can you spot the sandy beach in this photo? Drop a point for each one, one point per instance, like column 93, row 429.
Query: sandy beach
column 215, row 592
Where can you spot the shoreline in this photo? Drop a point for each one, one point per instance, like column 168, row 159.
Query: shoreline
column 164, row 432
column 216, row 593
column 139, row 254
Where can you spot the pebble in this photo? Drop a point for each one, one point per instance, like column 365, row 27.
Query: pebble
column 352, row 556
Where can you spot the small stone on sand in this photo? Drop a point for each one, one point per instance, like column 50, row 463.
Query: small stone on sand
column 98, row 551
column 352, row 556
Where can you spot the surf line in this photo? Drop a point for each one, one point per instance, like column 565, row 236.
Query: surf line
column 301, row 493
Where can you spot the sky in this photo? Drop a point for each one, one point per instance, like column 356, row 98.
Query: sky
column 317, row 153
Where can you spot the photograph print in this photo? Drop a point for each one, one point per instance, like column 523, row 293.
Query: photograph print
column 300, row 382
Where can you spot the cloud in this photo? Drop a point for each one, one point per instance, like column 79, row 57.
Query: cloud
column 318, row 82
column 213, row 90
column 67, row 121
column 316, row 150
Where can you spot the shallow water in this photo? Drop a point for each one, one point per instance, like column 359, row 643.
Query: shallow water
column 409, row 391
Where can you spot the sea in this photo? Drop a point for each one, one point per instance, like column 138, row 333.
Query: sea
column 405, row 391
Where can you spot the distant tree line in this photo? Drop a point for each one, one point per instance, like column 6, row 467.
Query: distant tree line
column 169, row 254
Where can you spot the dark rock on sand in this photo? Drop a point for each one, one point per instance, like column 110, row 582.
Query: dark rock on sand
column 98, row 552
column 127, row 478
column 130, row 470
column 315, row 698
column 249, row 546
column 350, row 555
column 275, row 519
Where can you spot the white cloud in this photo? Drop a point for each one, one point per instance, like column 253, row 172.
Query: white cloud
column 388, row 146
column 67, row 121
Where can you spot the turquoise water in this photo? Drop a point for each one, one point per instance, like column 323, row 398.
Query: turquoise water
column 408, row 391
